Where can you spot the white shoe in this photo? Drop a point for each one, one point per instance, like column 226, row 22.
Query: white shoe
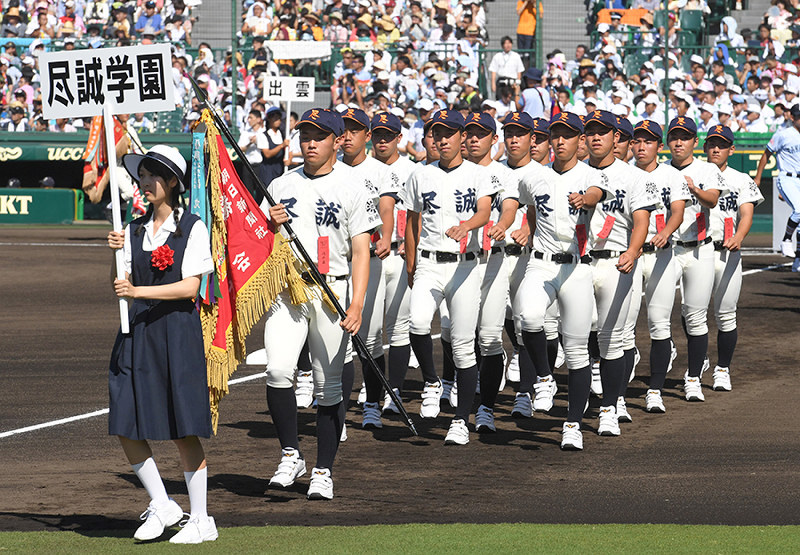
column 672, row 356
column 196, row 530
column 654, row 402
column 453, row 399
column 512, row 372
column 544, row 390
column 796, row 265
column 609, row 424
column 447, row 388
column 722, row 379
column 431, row 394
column 458, row 434
column 343, row 436
column 304, row 391
column 388, row 404
column 484, row 420
column 321, row 485
column 561, row 357
column 636, row 358
column 371, row 416
column 362, row 394
column 787, row 248
column 571, row 437
column 597, row 383
column 693, row 389
column 412, row 360
column 622, row 411
column 522, row 406
column 157, row 519
column 290, row 468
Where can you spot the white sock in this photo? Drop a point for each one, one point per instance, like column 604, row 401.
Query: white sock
column 147, row 473
column 197, row 484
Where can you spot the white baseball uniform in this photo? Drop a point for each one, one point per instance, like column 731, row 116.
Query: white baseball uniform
column 445, row 198
column 610, row 234
column 785, row 145
column 326, row 212
column 693, row 251
column 728, row 264
column 561, row 232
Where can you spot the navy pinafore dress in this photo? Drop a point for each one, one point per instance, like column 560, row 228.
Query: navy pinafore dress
column 157, row 382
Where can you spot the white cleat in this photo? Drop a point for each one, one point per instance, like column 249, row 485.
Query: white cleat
column 722, row 379
column 544, row 391
column 622, row 411
column 787, row 248
column 157, row 519
column 290, row 468
column 561, row 357
column 198, row 529
column 458, row 434
column 523, row 408
column 321, row 485
column 371, row 417
column 484, row 420
column 304, row 391
column 388, row 404
column 512, row 372
column 571, row 437
column 693, row 389
column 609, row 424
column 431, row 395
column 654, row 402
column 597, row 383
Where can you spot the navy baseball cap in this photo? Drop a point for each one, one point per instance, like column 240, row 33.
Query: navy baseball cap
column 682, row 122
column 651, row 127
column 357, row 115
column 624, row 127
column 386, row 120
column 520, row 119
column 795, row 110
column 533, row 74
column 482, row 119
column 540, row 126
column 568, row 119
column 449, row 118
column 722, row 131
column 603, row 117
column 324, row 119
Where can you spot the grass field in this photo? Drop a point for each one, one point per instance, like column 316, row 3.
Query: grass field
column 433, row 538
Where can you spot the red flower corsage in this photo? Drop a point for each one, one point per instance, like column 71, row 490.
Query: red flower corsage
column 161, row 259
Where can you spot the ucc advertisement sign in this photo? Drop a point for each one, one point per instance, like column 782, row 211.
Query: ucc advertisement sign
column 40, row 206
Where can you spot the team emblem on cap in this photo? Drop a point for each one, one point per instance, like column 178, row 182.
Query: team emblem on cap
column 645, row 124
column 314, row 114
column 476, row 116
column 681, row 121
column 382, row 118
column 718, row 129
column 563, row 116
column 515, row 116
column 442, row 114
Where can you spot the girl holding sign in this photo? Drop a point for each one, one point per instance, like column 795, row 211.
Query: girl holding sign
column 157, row 377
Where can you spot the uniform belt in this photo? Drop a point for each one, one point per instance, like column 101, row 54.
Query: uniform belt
column 440, row 256
column 650, row 247
column 328, row 278
column 718, row 245
column 791, row 174
column 561, row 257
column 393, row 247
column 605, row 253
column 692, row 244
column 511, row 250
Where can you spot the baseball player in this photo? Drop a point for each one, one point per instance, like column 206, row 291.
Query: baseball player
column 386, row 134
column 618, row 229
column 622, row 148
column 657, row 263
column 370, row 174
column 446, row 202
column 559, row 203
column 693, row 251
column 333, row 216
column 733, row 217
column 785, row 146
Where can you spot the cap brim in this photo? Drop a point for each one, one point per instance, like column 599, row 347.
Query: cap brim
column 133, row 161
column 482, row 126
column 382, row 126
column 720, row 136
column 359, row 122
column 453, row 126
column 649, row 132
column 683, row 127
column 318, row 126
column 603, row 123
column 517, row 124
column 565, row 124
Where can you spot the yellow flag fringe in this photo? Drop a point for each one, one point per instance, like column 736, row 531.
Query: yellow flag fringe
column 253, row 299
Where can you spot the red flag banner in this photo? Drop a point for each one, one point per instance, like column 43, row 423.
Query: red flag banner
column 253, row 264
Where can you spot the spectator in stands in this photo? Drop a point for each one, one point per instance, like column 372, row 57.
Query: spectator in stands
column 62, row 125
column 96, row 13
column 648, row 35
column 753, row 123
column 40, row 28
column 770, row 46
column 254, row 143
column 707, row 118
column 335, row 31
column 534, row 99
column 724, row 114
column 12, row 23
column 141, row 123
column 572, row 65
column 506, row 67
column 150, row 19
column 526, row 26
column 258, row 23
column 728, row 35
column 650, row 5
column 698, row 75
column 17, row 121
column 70, row 24
column 618, row 31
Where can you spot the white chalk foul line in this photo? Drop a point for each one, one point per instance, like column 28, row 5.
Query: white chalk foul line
column 101, row 412
column 20, row 244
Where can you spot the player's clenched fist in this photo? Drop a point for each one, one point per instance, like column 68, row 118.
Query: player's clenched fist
column 576, row 201
column 457, row 232
column 116, row 239
column 278, row 215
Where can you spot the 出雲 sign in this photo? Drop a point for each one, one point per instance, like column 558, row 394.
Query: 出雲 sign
column 78, row 83
column 289, row 89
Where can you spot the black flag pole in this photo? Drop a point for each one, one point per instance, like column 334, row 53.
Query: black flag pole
column 361, row 348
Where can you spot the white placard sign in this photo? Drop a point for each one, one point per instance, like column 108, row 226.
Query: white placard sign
column 289, row 89
column 78, row 83
column 299, row 49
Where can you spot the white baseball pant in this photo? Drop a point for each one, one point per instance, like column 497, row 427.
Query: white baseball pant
column 695, row 267
column 398, row 300
column 727, row 286
column 612, row 291
column 371, row 331
column 570, row 285
column 285, row 331
column 629, row 335
column 660, row 277
column 789, row 188
column 458, row 284
column 494, row 294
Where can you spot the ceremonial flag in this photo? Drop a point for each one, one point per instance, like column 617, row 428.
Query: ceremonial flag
column 253, row 264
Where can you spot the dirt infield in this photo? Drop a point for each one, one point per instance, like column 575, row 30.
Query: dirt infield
column 730, row 460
